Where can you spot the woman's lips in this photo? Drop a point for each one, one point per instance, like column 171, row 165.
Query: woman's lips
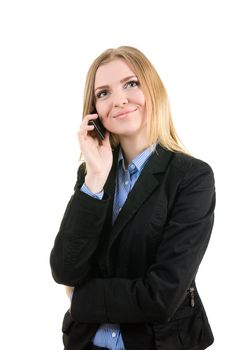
column 123, row 114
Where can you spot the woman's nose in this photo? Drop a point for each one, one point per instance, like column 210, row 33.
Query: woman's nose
column 120, row 98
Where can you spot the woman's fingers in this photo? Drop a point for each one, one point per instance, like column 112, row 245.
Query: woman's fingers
column 85, row 127
column 88, row 117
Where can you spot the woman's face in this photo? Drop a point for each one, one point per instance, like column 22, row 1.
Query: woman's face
column 120, row 102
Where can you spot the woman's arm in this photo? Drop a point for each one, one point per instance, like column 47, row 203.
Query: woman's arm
column 78, row 236
column 157, row 297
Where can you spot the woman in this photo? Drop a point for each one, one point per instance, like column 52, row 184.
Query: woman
column 138, row 224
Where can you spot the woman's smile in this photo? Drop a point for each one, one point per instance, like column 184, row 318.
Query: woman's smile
column 124, row 113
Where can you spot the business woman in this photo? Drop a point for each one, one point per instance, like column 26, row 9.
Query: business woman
column 139, row 221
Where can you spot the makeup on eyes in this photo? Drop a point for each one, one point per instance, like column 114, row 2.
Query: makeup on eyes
column 106, row 89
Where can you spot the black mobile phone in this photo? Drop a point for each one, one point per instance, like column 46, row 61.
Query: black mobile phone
column 98, row 127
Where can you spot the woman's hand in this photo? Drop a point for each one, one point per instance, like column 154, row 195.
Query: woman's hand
column 97, row 154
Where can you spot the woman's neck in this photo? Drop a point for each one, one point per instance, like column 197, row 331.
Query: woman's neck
column 131, row 149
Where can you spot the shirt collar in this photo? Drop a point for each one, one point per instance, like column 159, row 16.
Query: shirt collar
column 139, row 161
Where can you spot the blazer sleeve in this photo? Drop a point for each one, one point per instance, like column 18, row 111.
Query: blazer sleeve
column 78, row 236
column 156, row 297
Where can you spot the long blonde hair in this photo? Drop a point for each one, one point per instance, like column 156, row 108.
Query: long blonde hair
column 159, row 120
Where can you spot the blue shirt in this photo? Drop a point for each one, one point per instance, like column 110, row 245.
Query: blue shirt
column 109, row 335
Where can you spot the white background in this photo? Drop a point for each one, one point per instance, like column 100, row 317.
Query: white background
column 46, row 48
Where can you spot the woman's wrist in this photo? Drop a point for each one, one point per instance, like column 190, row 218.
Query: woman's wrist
column 95, row 183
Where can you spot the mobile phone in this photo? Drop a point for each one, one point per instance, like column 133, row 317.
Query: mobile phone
column 98, row 127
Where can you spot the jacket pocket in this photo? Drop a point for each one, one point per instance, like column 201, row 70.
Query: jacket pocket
column 167, row 337
column 182, row 333
column 190, row 332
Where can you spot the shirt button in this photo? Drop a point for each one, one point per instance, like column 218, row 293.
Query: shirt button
column 132, row 166
column 113, row 335
column 126, row 183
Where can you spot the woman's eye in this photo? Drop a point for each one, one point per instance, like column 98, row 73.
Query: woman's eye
column 101, row 94
column 132, row 83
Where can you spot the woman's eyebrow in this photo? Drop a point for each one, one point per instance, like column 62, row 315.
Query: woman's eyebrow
column 121, row 81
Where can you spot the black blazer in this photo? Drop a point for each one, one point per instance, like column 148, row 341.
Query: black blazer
column 139, row 272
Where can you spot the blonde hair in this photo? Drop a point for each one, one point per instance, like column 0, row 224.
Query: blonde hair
column 160, row 125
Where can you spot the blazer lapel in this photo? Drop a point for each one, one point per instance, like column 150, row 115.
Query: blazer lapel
column 147, row 182
column 109, row 187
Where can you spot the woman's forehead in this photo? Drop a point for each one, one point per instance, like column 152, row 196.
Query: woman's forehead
column 112, row 71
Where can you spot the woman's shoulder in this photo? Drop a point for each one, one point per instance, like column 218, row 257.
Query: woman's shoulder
column 192, row 167
column 183, row 160
column 186, row 161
